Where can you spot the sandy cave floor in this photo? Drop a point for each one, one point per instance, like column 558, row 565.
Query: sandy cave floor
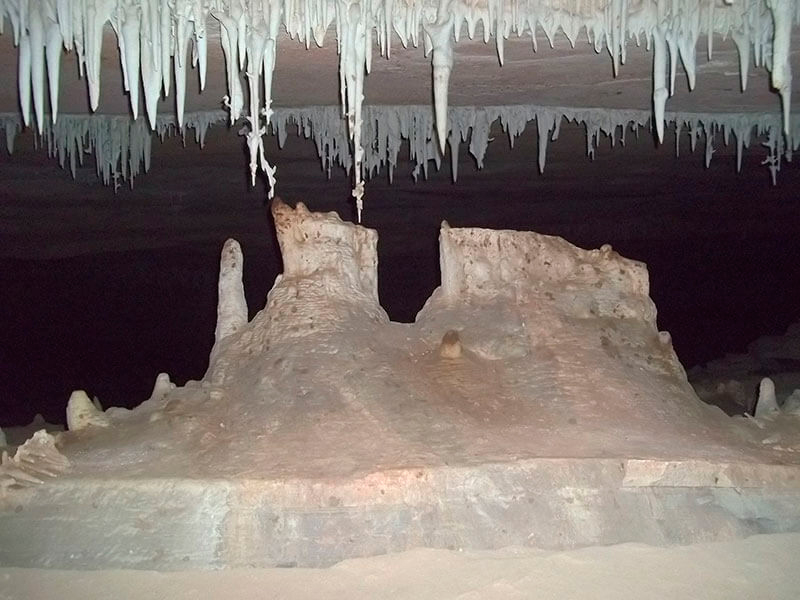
column 761, row 567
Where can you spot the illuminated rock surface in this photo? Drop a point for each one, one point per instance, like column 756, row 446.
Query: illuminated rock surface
column 533, row 402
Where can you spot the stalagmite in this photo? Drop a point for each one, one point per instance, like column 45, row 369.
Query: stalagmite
column 451, row 345
column 532, row 402
column 82, row 413
column 161, row 387
column 231, row 304
column 767, row 404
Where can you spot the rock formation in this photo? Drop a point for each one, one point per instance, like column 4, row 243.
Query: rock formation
column 767, row 404
column 153, row 39
column 231, row 306
column 533, row 401
column 161, row 387
column 82, row 412
column 34, row 461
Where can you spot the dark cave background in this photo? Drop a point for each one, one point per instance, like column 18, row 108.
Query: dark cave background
column 102, row 291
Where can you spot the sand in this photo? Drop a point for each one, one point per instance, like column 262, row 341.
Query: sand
column 760, row 567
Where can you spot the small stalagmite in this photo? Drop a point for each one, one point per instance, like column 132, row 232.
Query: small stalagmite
column 161, row 387
column 767, row 403
column 82, row 413
column 451, row 345
column 231, row 306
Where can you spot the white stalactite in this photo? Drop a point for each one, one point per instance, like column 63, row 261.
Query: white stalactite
column 782, row 18
column 37, row 64
column 660, row 92
column 200, row 54
column 154, row 38
column 24, row 75
column 53, row 53
column 151, row 60
column 130, row 33
column 122, row 147
column 441, row 36
column 352, row 65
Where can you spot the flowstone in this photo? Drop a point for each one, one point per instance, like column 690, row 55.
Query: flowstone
column 533, row 402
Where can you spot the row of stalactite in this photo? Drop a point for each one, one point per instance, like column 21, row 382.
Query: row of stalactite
column 160, row 38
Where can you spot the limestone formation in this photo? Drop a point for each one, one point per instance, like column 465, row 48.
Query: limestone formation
column 532, row 402
column 33, row 462
column 154, row 37
column 163, row 385
column 317, row 245
column 767, row 404
column 329, row 285
column 231, row 306
column 82, row 413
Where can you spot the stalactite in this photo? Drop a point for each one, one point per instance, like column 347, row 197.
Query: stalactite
column 111, row 137
column 154, row 39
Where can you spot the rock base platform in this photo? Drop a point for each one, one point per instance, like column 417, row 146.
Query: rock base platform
column 175, row 524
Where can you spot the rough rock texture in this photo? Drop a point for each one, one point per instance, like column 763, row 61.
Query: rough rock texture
column 533, row 402
column 36, row 459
